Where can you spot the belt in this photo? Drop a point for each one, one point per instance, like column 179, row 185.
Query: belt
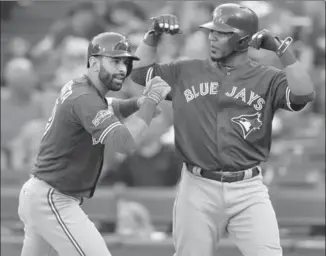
column 224, row 176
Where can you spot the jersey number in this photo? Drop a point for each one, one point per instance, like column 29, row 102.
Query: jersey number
column 66, row 91
column 50, row 120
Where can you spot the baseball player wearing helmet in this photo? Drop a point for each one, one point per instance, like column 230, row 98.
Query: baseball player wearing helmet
column 70, row 157
column 223, row 111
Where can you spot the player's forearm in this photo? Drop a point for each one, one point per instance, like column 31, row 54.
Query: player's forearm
column 297, row 76
column 125, row 107
column 138, row 124
column 125, row 138
column 147, row 50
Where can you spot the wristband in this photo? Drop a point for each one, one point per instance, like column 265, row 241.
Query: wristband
column 284, row 46
column 151, row 38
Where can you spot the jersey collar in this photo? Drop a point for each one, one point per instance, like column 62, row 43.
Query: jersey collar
column 225, row 70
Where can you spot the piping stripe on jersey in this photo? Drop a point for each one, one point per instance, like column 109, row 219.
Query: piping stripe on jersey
column 62, row 224
column 149, row 74
column 107, row 130
column 287, row 96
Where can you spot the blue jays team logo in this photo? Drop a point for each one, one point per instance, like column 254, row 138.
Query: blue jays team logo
column 248, row 123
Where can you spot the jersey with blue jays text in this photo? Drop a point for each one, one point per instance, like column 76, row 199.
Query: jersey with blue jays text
column 71, row 151
column 224, row 120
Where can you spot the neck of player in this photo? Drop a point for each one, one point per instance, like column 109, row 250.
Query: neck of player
column 232, row 60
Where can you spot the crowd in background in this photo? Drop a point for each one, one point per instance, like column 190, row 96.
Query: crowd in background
column 34, row 73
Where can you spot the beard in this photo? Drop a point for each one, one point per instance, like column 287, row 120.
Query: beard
column 224, row 56
column 108, row 80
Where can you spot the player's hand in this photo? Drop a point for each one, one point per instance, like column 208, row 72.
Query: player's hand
column 264, row 39
column 141, row 100
column 157, row 89
column 166, row 23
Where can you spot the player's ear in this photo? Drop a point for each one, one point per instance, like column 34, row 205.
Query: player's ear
column 94, row 63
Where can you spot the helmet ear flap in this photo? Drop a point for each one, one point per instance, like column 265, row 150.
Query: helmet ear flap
column 243, row 43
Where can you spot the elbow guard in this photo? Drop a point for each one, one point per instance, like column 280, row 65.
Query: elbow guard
column 139, row 75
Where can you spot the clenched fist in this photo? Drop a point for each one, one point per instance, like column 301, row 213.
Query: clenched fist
column 166, row 23
column 157, row 89
column 264, row 39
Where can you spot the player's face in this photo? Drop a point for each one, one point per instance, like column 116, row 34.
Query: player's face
column 219, row 47
column 113, row 72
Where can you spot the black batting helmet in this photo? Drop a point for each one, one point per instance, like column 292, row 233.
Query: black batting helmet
column 237, row 19
column 112, row 45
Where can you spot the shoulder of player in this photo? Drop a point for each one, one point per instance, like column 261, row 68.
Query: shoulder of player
column 189, row 61
column 189, row 64
column 81, row 87
column 77, row 90
column 266, row 68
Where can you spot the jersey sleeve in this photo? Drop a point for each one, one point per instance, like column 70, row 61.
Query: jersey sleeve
column 95, row 116
column 282, row 94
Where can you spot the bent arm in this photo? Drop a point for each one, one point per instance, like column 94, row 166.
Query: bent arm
column 299, row 82
column 146, row 51
column 294, row 88
column 124, row 139
column 123, row 108
column 147, row 67
column 105, row 128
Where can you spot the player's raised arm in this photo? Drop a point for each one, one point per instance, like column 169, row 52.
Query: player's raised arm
column 147, row 67
column 294, row 88
column 105, row 128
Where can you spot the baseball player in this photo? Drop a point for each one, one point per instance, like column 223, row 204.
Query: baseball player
column 223, row 111
column 70, row 157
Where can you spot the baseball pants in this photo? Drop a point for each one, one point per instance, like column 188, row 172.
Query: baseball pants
column 54, row 223
column 206, row 211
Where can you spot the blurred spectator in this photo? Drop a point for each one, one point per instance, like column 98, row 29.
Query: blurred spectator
column 134, row 220
column 19, row 101
column 81, row 21
column 195, row 39
column 154, row 164
column 73, row 59
column 18, row 47
column 6, row 9
column 303, row 124
column 125, row 17
column 60, row 56
column 26, row 145
column 158, row 127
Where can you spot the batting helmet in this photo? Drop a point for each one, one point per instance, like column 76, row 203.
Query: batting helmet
column 237, row 19
column 112, row 45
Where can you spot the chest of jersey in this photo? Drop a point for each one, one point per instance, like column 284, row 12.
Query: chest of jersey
column 222, row 91
column 212, row 102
